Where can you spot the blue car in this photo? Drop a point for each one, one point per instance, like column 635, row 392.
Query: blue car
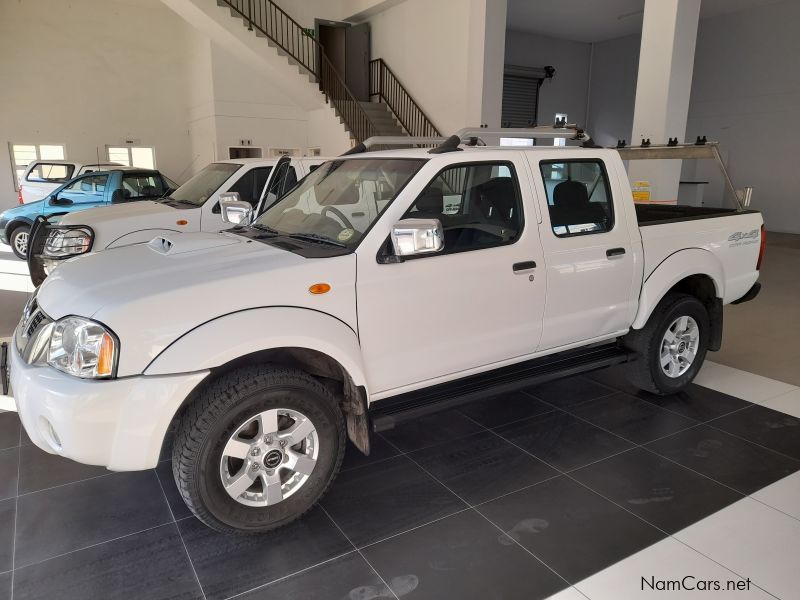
column 90, row 190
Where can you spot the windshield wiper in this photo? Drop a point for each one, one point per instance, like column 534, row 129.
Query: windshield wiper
column 265, row 229
column 315, row 237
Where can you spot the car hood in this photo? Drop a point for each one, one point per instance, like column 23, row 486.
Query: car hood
column 29, row 209
column 151, row 294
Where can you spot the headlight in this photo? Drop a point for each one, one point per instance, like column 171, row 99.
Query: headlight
column 82, row 348
column 66, row 242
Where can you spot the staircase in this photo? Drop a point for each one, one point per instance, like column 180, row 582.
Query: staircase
column 393, row 113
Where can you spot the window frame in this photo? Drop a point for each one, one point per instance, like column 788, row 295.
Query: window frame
column 382, row 253
column 609, row 194
column 130, row 148
column 68, row 167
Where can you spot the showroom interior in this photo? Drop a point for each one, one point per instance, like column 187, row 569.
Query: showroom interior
column 580, row 485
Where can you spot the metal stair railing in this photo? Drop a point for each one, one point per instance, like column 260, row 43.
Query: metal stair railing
column 385, row 84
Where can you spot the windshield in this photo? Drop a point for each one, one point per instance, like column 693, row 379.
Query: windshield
column 340, row 200
column 200, row 187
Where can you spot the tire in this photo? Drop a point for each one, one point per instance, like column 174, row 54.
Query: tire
column 202, row 455
column 18, row 240
column 647, row 371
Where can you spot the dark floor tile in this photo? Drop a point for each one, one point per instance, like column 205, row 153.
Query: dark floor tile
column 77, row 515
column 174, row 498
column 614, row 377
column 9, row 461
column 39, row 470
column 663, row 493
column 9, row 430
column 346, row 578
column 482, row 466
column 427, row 431
column 5, row 586
column 563, row 440
column 383, row 499
column 379, row 449
column 507, row 408
column 731, row 460
column 24, row 438
column 7, row 512
column 569, row 392
column 771, row 428
column 462, row 556
column 697, row 402
column 632, row 418
column 573, row 530
column 231, row 564
column 149, row 565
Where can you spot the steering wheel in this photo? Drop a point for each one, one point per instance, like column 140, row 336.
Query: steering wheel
column 338, row 214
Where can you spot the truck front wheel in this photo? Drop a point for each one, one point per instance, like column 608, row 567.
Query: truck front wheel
column 671, row 346
column 258, row 448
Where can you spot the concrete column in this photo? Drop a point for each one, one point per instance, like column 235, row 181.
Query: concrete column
column 486, row 59
column 666, row 62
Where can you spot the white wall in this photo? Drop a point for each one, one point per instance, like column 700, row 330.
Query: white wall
column 426, row 45
column 564, row 93
column 79, row 73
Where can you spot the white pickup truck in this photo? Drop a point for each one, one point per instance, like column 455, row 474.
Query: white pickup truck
column 193, row 207
column 480, row 271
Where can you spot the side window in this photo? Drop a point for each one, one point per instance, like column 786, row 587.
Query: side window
column 578, row 197
column 88, row 186
column 251, row 184
column 52, row 172
column 477, row 204
column 135, row 186
column 283, row 182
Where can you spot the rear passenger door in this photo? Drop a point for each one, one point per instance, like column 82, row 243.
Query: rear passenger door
column 477, row 302
column 588, row 251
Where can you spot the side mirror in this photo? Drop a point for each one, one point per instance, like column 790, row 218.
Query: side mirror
column 235, row 211
column 56, row 201
column 417, row 236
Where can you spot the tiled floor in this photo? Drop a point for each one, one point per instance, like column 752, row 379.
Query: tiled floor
column 577, row 488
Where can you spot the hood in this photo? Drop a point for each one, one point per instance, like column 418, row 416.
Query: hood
column 25, row 210
column 111, row 222
column 151, row 294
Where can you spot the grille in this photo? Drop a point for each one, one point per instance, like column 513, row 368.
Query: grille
column 33, row 323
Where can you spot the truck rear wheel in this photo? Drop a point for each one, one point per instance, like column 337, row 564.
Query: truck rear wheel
column 671, row 346
column 258, row 448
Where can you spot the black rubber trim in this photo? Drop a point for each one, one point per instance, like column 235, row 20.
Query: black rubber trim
column 751, row 293
column 393, row 410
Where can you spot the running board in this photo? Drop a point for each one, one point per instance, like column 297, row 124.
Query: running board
column 419, row 403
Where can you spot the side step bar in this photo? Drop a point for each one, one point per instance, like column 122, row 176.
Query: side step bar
column 412, row 405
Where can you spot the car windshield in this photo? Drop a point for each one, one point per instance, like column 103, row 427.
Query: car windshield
column 203, row 185
column 339, row 201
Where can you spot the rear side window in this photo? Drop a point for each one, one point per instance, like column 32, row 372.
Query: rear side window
column 142, row 185
column 477, row 204
column 578, row 196
column 50, row 172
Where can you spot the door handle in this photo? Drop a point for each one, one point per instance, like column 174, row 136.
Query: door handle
column 358, row 214
column 524, row 266
column 612, row 252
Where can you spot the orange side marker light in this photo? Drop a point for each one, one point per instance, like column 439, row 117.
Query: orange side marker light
column 319, row 288
column 181, row 222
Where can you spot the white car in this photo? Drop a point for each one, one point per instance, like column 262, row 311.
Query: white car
column 193, row 207
column 475, row 271
column 41, row 177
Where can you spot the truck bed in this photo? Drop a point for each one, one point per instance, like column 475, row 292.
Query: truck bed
column 656, row 214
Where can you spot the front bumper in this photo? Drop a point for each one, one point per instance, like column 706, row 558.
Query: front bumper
column 119, row 423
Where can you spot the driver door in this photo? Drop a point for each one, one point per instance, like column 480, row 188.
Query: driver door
column 281, row 179
column 474, row 304
column 85, row 192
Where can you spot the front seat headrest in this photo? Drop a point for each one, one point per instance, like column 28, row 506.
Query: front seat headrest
column 570, row 194
column 431, row 201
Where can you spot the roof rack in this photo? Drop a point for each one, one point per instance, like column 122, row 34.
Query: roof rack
column 473, row 136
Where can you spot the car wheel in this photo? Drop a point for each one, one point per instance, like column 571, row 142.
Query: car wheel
column 19, row 241
column 258, row 448
column 671, row 346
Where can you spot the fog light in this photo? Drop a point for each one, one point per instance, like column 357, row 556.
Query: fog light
column 49, row 434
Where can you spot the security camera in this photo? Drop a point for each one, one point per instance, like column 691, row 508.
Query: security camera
column 549, row 71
